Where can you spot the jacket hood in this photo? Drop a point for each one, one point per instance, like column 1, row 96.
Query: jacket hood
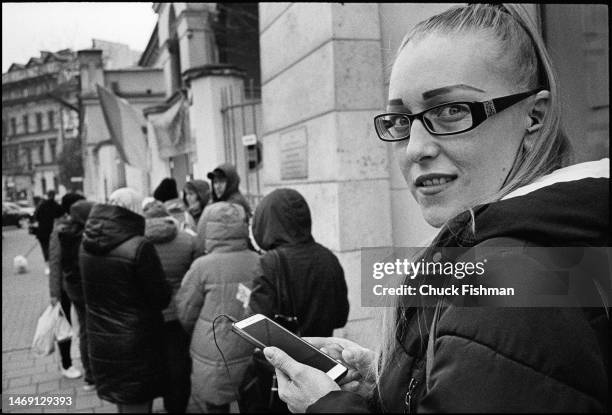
column 160, row 230
column 282, row 218
column 80, row 211
column 572, row 212
column 233, row 180
column 201, row 188
column 109, row 226
column 225, row 227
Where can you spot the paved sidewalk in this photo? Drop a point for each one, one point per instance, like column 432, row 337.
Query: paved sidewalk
column 24, row 298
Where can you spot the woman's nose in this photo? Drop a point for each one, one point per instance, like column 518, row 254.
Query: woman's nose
column 421, row 145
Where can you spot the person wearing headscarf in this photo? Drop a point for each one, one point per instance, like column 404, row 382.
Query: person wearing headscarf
column 176, row 250
column 125, row 291
column 196, row 195
column 60, row 273
column 211, row 287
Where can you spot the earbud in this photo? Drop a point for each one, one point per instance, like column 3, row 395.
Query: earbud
column 535, row 125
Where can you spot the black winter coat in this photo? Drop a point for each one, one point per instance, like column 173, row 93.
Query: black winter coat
column 45, row 215
column 125, row 292
column 70, row 234
column 489, row 359
column 313, row 273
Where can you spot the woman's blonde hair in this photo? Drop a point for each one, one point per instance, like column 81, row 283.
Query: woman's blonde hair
column 522, row 49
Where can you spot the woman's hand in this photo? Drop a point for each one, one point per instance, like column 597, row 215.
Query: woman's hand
column 357, row 359
column 299, row 385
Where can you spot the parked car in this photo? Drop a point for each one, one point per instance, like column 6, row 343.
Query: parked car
column 26, row 207
column 13, row 214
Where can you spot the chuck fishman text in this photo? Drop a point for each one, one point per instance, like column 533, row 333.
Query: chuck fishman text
column 466, row 289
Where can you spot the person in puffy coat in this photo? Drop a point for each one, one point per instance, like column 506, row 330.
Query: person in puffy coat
column 176, row 250
column 125, row 291
column 209, row 289
column 65, row 279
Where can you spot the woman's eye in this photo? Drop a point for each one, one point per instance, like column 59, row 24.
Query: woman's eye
column 401, row 122
column 452, row 112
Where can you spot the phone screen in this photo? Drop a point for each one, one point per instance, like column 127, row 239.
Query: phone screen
column 270, row 334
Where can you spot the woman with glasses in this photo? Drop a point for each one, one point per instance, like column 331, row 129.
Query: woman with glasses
column 474, row 120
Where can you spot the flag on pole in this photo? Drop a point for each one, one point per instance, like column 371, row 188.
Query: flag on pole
column 127, row 128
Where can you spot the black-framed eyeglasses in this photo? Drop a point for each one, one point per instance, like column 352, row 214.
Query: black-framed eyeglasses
column 445, row 119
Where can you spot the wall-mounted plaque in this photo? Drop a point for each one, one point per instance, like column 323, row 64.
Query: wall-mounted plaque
column 294, row 154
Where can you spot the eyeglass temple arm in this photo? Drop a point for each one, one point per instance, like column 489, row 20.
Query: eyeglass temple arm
column 494, row 106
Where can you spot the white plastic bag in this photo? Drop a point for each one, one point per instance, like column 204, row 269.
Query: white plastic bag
column 44, row 336
column 63, row 329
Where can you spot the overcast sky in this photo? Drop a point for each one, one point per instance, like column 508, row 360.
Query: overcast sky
column 28, row 28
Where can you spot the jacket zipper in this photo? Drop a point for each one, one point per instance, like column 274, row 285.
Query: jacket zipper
column 408, row 399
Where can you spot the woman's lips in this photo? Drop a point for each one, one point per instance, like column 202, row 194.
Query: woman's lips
column 433, row 183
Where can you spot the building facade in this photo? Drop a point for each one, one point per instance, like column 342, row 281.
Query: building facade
column 209, row 54
column 42, row 110
column 142, row 88
column 38, row 115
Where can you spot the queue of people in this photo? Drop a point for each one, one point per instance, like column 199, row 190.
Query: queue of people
column 147, row 276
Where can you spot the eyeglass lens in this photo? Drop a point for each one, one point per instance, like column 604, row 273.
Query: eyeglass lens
column 446, row 119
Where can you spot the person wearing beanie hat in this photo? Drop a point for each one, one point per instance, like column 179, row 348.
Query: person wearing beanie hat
column 64, row 276
column 166, row 190
column 176, row 250
column 125, row 289
column 196, row 195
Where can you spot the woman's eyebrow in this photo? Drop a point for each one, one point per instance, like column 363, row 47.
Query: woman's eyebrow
column 446, row 89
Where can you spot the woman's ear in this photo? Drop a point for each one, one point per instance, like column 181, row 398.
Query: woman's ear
column 535, row 118
column 538, row 111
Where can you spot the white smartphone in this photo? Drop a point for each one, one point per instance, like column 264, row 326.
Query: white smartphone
column 263, row 332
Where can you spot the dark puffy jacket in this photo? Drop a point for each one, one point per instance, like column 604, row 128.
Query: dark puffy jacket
column 125, row 291
column 176, row 250
column 45, row 215
column 500, row 359
column 210, row 288
column 314, row 274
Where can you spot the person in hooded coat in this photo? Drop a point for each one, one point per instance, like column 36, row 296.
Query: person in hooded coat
column 225, row 183
column 313, row 274
column 176, row 250
column 209, row 289
column 62, row 278
column 125, row 291
column 70, row 235
column 196, row 195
